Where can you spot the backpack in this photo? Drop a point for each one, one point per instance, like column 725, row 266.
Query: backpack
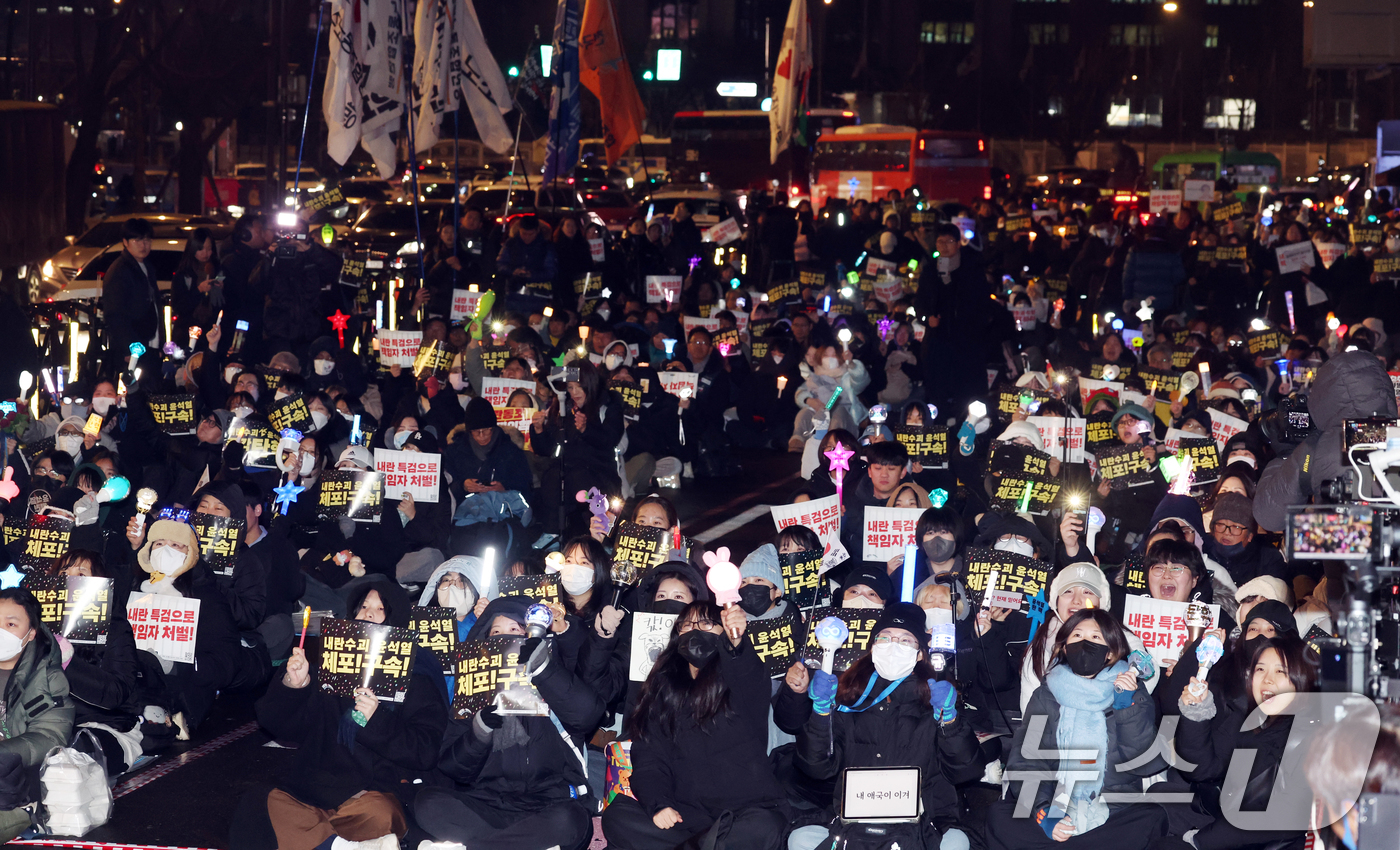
column 861, row 835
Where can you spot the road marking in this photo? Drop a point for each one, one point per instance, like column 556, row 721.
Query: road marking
column 146, row 777
column 731, row 524
column 739, row 500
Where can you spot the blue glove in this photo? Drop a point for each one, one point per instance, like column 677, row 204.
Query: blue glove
column 1123, row 699
column 822, row 692
column 1049, row 817
column 944, row 699
column 967, row 439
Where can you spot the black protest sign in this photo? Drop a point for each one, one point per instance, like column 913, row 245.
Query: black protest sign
column 775, row 641
column 350, row 493
column 758, row 349
column 1020, row 491
column 758, row 329
column 332, row 197
column 45, row 541
column 1182, row 357
column 77, row 607
column 543, row 589
column 801, row 576
column 1225, row 212
column 1386, row 268
column 259, row 444
column 1124, row 466
column 631, row 394
column 814, row 279
column 489, row 670
column 437, row 632
column 926, row 444
column 290, row 412
column 1159, row 381
column 1099, row 431
column 1135, row 576
column 1055, row 287
column 174, row 414
column 1234, row 255
column 642, row 545
column 540, row 287
column 434, row 358
column 785, row 292
column 727, row 337
column 30, row 451
column 1011, row 400
column 590, row 285
column 1009, row 458
column 861, row 623
column 1015, row 573
column 1268, row 342
column 352, row 273
column 1205, row 459
column 1012, row 224
column 219, row 537
column 1362, row 234
column 493, row 359
column 356, row 654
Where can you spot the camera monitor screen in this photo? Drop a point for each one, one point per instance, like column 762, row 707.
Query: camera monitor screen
column 1334, row 532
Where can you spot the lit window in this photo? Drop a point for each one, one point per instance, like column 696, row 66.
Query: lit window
column 673, row 21
column 1229, row 113
column 1212, row 35
column 1136, row 111
column 1135, row 35
column 1048, row 33
column 946, row 32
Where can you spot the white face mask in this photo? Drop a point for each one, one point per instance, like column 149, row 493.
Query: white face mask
column 319, row 420
column 894, row 661
column 401, row 437
column 540, row 328
column 1104, row 233
column 324, row 367
column 937, row 617
column 243, row 411
column 167, row 560
column 11, row 645
column 281, row 394
column 70, row 443
column 102, row 404
column 1392, row 244
column 456, row 598
column 1017, row 545
column 860, row 602
column 230, row 372
column 576, row 579
column 612, row 361
column 830, row 363
column 254, row 392
column 308, row 463
column 777, row 359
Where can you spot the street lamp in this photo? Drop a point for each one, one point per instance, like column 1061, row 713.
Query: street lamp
column 1169, row 7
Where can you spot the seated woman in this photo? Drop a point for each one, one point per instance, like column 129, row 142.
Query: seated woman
column 457, row 585
column 245, row 590
column 1090, row 700
column 915, row 723
column 651, row 511
column 357, row 760
column 38, row 715
column 518, row 778
column 585, row 582
column 701, row 715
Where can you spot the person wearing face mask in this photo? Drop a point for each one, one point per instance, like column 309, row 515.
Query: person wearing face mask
column 69, row 437
column 889, row 709
column 1233, row 545
column 37, row 709
column 245, row 590
column 1093, row 701
column 351, row 780
column 866, row 586
column 456, row 585
column 701, row 717
column 584, row 580
column 517, row 779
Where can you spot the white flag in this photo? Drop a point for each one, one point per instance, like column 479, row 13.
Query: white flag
column 363, row 98
column 790, row 77
column 453, row 65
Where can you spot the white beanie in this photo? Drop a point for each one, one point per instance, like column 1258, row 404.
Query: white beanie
column 1083, row 574
column 1022, row 429
column 1268, row 587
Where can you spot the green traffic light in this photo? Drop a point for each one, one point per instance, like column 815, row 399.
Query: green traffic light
column 513, row 71
column 646, row 75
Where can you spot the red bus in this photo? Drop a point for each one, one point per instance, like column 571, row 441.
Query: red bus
column 867, row 161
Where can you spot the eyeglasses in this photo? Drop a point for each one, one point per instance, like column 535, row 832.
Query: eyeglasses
column 909, row 642
column 703, row 625
column 1229, row 528
column 1173, row 570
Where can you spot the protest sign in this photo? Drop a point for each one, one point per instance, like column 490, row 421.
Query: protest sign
column 1161, row 625
column 723, row 233
column 1181, row 359
column 1268, row 342
column 642, row 545
column 630, row 392
column 690, row 323
column 464, row 303
column 596, row 251
column 1135, row 574
column 1097, row 365
column 1011, row 400
column 663, row 288
column 589, row 285
column 351, row 493
column 1223, row 426
column 165, row 626
column 417, row 473
column 887, row 531
column 358, row 654
column 259, row 443
column 823, row 516
column 1023, row 315
column 1123, row 466
column 498, row 390
column 878, row 268
column 1295, row 257
column 1225, row 212
column 1089, row 386
column 889, row 289
column 1367, row 234
column 775, row 641
column 650, row 634
column 1063, row 437
column 1024, row 492
column 1159, row 382
column 434, row 358
column 1012, row 224
column 493, row 358
column 726, row 341
column 45, row 541
column 437, row 632
column 1015, row 573
column 1198, row 190
column 926, row 444
column 543, row 589
column 1385, row 268
column 174, row 414
column 77, row 607
column 1009, row 458
column 1164, row 201
column 1205, row 459
column 219, row 537
column 788, row 291
column 811, row 278
column 517, row 418
column 1099, row 431
column 398, row 348
column 860, row 621
column 290, row 412
column 675, row 382
column 801, row 576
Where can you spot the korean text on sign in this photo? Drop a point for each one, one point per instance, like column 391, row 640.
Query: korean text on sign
column 1161, row 625
column 415, row 472
column 823, row 516
column 887, row 531
column 356, row 654
column 165, row 626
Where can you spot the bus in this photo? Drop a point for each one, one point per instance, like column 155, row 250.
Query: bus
column 1247, row 171
column 646, row 157
column 865, row 162
column 730, row 148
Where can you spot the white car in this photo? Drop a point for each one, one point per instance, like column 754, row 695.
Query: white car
column 60, row 272
column 164, row 259
column 708, row 206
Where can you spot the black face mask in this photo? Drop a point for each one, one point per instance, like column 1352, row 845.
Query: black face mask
column 940, row 549
column 698, row 647
column 1230, row 551
column 668, row 606
column 1251, row 645
column 1086, row 658
column 754, row 599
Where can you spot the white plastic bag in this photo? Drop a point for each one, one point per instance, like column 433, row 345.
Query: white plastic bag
column 75, row 792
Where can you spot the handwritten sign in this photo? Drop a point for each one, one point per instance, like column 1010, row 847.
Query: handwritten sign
column 352, row 494
column 887, row 531
column 1161, row 625
column 398, row 348
column 823, row 516
column 650, row 635
column 174, row 414
column 417, row 473
column 165, row 626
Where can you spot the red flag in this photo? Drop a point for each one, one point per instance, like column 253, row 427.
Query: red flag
column 603, row 70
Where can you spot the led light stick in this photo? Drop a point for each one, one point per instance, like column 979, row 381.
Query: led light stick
column 723, row 580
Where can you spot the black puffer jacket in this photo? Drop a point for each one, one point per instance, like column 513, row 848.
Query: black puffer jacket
column 1353, row 385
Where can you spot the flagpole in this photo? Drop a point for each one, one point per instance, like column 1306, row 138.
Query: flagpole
column 413, row 161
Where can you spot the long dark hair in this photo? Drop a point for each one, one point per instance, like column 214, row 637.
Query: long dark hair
column 189, row 264
column 803, row 537
column 854, row 681
column 670, row 693
column 591, row 382
column 602, row 576
column 1113, row 634
column 673, row 519
column 1302, row 672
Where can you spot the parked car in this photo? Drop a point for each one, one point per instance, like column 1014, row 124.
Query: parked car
column 61, row 270
column 708, row 205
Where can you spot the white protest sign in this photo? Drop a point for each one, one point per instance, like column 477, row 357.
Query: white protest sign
column 1175, row 436
column 692, row 322
column 878, row 268
column 674, row 382
column 415, row 472
column 723, row 233
column 464, row 303
column 164, row 626
column 1164, row 200
column 822, row 516
column 1161, row 625
column 498, row 390
column 1004, row 599
column 889, row 289
column 1023, row 316
column 1223, row 426
column 399, row 348
column 881, row 794
column 1088, row 386
column 1198, row 190
column 1295, row 257
column 1052, row 432
column 887, row 531
column 1330, row 252
column 663, row 288
column 650, row 634
column 595, row 250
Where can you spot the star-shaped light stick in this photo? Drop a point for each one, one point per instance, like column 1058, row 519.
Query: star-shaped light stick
column 840, row 458
column 339, row 321
column 286, row 494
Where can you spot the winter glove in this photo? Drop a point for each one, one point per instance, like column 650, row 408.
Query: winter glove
column 1049, row 817
column 489, row 718
column 1122, row 699
column 823, row 692
column 944, row 699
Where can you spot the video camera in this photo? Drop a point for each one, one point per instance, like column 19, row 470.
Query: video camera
column 1288, row 425
column 289, row 231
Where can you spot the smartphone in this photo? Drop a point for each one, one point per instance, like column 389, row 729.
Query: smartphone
column 241, row 325
column 1329, row 532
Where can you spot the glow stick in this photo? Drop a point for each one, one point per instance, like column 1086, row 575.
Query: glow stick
column 906, row 590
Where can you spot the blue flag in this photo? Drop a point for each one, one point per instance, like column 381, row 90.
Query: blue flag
column 565, row 108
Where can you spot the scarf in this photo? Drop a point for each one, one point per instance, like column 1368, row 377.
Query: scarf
column 482, row 451
column 1083, row 724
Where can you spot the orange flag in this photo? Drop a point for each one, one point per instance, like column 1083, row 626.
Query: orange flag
column 603, row 70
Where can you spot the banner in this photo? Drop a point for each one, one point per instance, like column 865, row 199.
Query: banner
column 362, row 100
column 861, row 623
column 437, row 632
column 290, row 412
column 46, row 539
column 489, row 671
column 1015, row 573
column 790, row 81
column 357, row 654
column 498, row 390
column 77, row 607
column 543, row 589
column 823, row 516
column 887, row 531
column 926, row 444
column 565, row 106
column 642, row 545
column 352, row 494
column 675, row 382
column 1161, row 625
column 399, row 348
column 802, row 579
column 219, row 537
column 415, row 472
column 174, row 414
column 453, row 65
column 1124, row 466
column 650, row 635
column 464, row 301
column 775, row 641
column 165, row 626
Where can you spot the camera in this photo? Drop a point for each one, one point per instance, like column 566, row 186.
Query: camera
column 1288, row 425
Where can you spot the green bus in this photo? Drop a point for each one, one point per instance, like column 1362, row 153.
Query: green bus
column 1248, row 170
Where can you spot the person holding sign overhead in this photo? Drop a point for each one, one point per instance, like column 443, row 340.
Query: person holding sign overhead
column 586, row 431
